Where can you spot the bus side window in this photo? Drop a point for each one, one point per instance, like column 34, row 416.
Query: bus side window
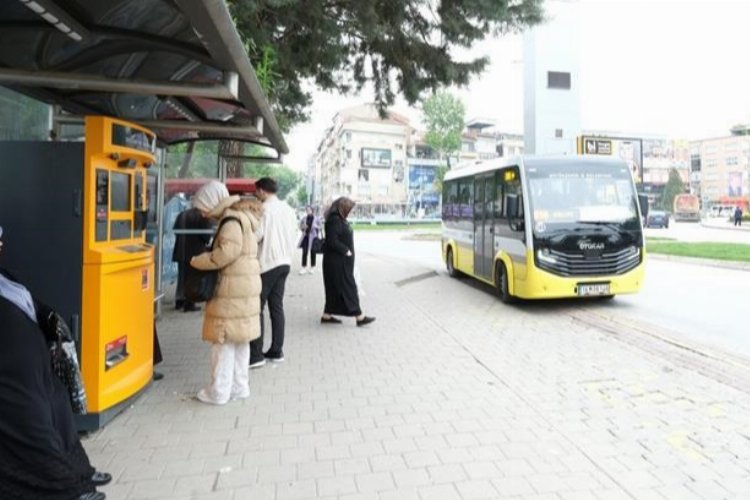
column 478, row 199
column 499, row 197
column 513, row 193
column 447, row 199
column 453, row 199
column 463, row 199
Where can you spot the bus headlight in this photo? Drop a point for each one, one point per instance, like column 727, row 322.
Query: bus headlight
column 544, row 255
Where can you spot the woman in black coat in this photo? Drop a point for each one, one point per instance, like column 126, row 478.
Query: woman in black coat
column 342, row 297
column 41, row 457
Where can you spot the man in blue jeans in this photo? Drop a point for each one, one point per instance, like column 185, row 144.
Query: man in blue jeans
column 277, row 236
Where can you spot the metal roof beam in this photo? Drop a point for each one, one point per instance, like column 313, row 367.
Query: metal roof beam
column 221, row 130
column 76, row 81
column 213, row 24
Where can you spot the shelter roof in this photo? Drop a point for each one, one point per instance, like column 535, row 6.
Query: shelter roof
column 175, row 66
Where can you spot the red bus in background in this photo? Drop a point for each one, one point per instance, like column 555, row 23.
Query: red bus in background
column 190, row 186
column 686, row 208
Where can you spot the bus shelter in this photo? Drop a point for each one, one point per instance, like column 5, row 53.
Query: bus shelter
column 124, row 80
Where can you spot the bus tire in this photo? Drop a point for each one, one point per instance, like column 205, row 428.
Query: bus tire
column 449, row 264
column 501, row 282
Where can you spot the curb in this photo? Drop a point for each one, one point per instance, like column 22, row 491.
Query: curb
column 724, row 264
column 726, row 228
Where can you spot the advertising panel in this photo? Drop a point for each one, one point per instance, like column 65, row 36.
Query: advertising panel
column 422, row 192
column 628, row 149
column 376, row 158
column 735, row 184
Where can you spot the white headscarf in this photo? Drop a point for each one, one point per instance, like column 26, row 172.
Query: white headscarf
column 210, row 195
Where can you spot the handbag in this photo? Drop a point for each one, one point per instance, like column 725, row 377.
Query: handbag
column 200, row 285
column 318, row 245
column 64, row 360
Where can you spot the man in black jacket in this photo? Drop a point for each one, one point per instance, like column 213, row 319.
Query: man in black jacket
column 187, row 246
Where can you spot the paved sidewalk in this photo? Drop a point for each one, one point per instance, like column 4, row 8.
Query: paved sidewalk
column 449, row 395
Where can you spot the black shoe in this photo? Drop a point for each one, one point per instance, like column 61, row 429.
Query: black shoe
column 102, row 478
column 274, row 357
column 330, row 320
column 157, row 376
column 257, row 362
column 179, row 304
column 94, row 495
column 365, row 321
column 190, row 307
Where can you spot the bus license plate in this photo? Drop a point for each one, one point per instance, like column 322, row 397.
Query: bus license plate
column 593, row 289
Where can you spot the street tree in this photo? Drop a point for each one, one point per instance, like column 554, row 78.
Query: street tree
column 302, row 195
column 395, row 46
column 444, row 116
column 673, row 187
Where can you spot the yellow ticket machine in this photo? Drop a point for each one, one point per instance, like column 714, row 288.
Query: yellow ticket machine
column 74, row 215
column 118, row 264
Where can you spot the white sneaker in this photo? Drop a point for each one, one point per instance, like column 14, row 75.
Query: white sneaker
column 303, row 271
column 311, row 271
column 203, row 397
column 239, row 396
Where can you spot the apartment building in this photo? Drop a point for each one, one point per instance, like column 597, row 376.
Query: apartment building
column 385, row 165
column 363, row 156
column 719, row 170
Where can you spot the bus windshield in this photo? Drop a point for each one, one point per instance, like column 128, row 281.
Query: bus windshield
column 573, row 194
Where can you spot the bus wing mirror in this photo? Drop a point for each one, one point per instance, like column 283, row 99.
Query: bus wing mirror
column 643, row 203
column 511, row 206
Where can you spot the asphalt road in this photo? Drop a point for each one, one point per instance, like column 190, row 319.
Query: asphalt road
column 700, row 305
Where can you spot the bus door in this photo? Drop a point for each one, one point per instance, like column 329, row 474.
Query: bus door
column 484, row 248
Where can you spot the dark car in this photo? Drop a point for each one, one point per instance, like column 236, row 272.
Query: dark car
column 657, row 218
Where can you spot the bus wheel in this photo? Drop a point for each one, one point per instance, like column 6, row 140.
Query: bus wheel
column 501, row 281
column 449, row 264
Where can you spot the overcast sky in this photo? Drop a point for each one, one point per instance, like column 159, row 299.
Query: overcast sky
column 670, row 67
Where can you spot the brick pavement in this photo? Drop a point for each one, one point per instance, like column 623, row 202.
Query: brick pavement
column 449, row 395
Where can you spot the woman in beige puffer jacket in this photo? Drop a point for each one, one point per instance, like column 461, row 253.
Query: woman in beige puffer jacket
column 232, row 316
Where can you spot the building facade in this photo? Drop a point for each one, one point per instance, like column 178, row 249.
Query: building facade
column 364, row 157
column 386, row 166
column 552, row 94
column 720, row 170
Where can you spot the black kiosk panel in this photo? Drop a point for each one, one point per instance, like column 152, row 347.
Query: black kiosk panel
column 41, row 213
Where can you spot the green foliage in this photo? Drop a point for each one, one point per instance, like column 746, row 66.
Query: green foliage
column 674, row 187
column 200, row 159
column 444, row 117
column 439, row 176
column 287, row 178
column 301, row 195
column 703, row 250
column 264, row 70
column 399, row 46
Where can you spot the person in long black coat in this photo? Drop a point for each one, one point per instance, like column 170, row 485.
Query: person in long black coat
column 41, row 456
column 187, row 246
column 342, row 297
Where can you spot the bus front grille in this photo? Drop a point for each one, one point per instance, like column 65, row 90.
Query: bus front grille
column 578, row 264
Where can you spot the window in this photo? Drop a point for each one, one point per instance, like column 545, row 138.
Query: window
column 558, row 133
column 465, row 198
column 450, row 209
column 479, row 198
column 513, row 193
column 499, row 199
column 558, row 80
column 364, row 175
column 349, row 154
